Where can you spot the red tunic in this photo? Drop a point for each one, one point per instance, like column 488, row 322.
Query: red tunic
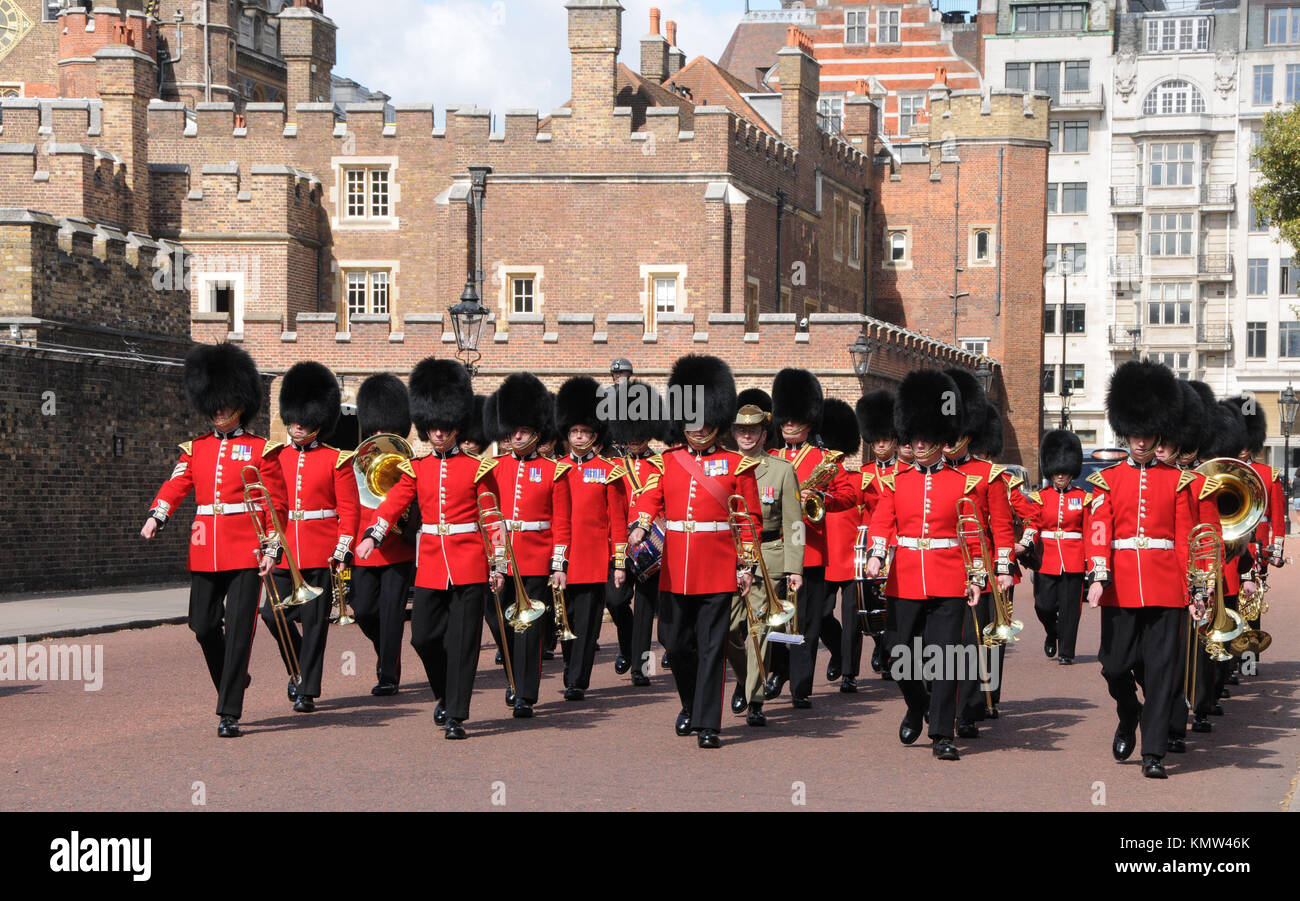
column 212, row 466
column 317, row 479
column 991, row 498
column 1142, row 508
column 842, row 531
column 395, row 550
column 535, row 493
column 1063, row 520
column 840, row 495
column 697, row 561
column 1273, row 526
column 599, row 517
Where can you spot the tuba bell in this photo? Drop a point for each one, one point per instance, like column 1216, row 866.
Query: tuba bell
column 1241, row 497
column 375, row 467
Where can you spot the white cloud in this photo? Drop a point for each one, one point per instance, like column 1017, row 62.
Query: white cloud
column 499, row 54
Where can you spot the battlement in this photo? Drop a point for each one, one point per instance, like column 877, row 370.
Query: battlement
column 988, row 113
column 82, row 33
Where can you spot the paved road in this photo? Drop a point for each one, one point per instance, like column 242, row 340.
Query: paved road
column 147, row 739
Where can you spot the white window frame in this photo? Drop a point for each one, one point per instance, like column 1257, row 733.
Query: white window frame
column 855, row 25
column 1290, row 25
column 887, row 261
column 514, row 294
column 1182, row 164
column 1152, row 231
column 972, row 248
column 1183, row 34
column 650, row 274
column 343, row 219
column 854, row 230
column 11, row 89
column 390, row 269
column 912, row 98
column 830, row 107
column 1174, row 97
column 979, row 345
column 1169, row 298
column 1173, row 358
column 235, row 279
column 888, row 26
column 506, row 275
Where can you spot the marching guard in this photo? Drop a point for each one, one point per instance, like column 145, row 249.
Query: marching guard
column 321, row 525
column 843, row 637
column 875, row 412
column 1063, row 513
column 451, row 574
column 227, row 559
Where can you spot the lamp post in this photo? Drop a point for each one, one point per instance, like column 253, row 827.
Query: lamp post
column 1067, row 268
column 1135, row 334
column 1287, row 403
column 469, row 317
column 984, row 374
column 860, row 352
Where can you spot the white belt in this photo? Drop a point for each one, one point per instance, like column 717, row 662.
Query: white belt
column 1062, row 535
column 520, row 525
column 448, row 528
column 926, row 544
column 312, row 514
column 691, row 525
column 1142, row 543
column 225, row 509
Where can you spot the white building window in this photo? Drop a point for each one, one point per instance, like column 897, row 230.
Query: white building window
column 367, row 291
column 1284, row 25
column 1173, row 98
column 978, row 346
column 830, row 114
column 664, row 293
column 1172, row 164
column 366, row 193
column 1169, row 303
column 981, row 249
column 1170, row 235
column 908, row 106
column 521, row 294
column 1176, row 35
column 886, row 26
column 1180, row 363
column 855, row 27
column 898, row 249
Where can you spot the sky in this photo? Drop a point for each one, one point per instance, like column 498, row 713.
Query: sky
column 499, row 54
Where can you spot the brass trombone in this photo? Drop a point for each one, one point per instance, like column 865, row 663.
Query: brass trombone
column 872, row 620
column 268, row 581
column 561, row 613
column 339, row 585
column 490, row 517
column 969, row 526
column 749, row 547
column 255, row 493
column 1204, row 548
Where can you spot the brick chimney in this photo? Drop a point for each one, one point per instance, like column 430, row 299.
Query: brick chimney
column 676, row 58
column 654, row 51
column 860, row 114
column 595, row 36
column 307, row 43
column 800, row 76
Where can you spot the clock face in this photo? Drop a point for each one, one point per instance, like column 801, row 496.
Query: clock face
column 14, row 25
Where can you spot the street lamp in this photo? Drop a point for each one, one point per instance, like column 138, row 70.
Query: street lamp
column 468, row 319
column 1287, row 403
column 1135, row 334
column 860, row 352
column 984, row 374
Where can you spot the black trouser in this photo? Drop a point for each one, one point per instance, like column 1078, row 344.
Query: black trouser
column 1058, row 602
column 851, row 641
column 644, row 609
column 1178, row 701
column 314, row 616
column 225, row 630
column 832, row 636
column 378, row 599
column 938, row 623
column 1211, row 675
column 972, row 701
column 445, row 632
column 697, row 646
column 810, row 608
column 1145, row 639
column 618, row 601
column 525, row 646
column 586, row 607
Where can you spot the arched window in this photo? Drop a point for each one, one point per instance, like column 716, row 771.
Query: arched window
column 981, row 245
column 898, row 246
column 1173, row 98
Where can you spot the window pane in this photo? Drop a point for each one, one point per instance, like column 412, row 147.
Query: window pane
column 1018, row 76
column 1257, row 277
column 1075, row 137
column 379, row 192
column 379, row 292
column 356, row 188
column 1076, row 76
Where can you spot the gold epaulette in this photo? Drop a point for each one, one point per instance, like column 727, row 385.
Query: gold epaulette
column 972, row 482
column 1087, row 498
column 866, row 479
column 1099, row 480
column 1038, row 498
column 1277, row 474
column 406, row 467
column 1015, row 482
column 746, row 464
column 271, row 448
column 650, row 482
column 485, row 465
column 1211, row 485
column 888, row 480
column 1185, row 478
column 657, row 461
column 616, row 473
column 561, row 468
column 187, row 447
column 344, row 457
column 995, row 470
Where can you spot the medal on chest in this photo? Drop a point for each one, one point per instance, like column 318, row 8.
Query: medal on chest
column 534, row 473
column 715, row 467
column 592, row 474
column 767, row 495
column 241, row 452
column 1074, row 503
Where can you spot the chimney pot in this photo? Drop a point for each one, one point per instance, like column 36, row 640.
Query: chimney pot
column 671, row 28
column 654, row 20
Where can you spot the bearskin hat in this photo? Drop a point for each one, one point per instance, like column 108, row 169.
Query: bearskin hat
column 920, row 408
column 639, row 412
column 1143, row 399
column 578, row 403
column 1186, row 435
column 974, row 406
column 1205, row 397
column 840, row 427
column 383, row 406
column 1256, row 424
column 1229, row 428
column 442, row 396
column 522, row 402
column 1060, row 453
column 988, row 443
column 797, row 397
column 223, row 376
column 875, row 411
column 309, row 396
column 475, row 429
column 711, row 375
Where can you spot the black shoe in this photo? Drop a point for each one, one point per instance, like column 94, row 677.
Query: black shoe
column 454, row 730
column 510, row 697
column 738, row 703
column 548, row 655
column 944, row 749
column 801, row 703
column 304, row 704
column 292, row 689
column 833, row 671
column 1223, row 693
column 994, row 713
column 229, row 728
column 1202, row 724
column 640, row 679
column 523, row 710
column 1065, row 661
column 875, row 661
column 1217, row 709
column 440, row 715
column 1049, row 646
column 663, row 661
column 709, row 739
column 684, row 722
column 908, row 732
column 1233, row 679
column 1177, row 746
column 573, row 694
column 621, row 664
column 1152, row 768
column 756, row 716
column 1125, row 741
column 848, row 685
column 772, row 687
column 498, row 660
column 384, row 689
column 967, row 730
column 248, row 680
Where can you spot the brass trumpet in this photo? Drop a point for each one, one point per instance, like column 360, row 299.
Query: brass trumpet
column 255, row 493
column 814, row 508
column 561, row 613
column 1003, row 628
column 339, row 585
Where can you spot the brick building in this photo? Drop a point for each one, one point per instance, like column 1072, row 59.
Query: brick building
column 659, row 212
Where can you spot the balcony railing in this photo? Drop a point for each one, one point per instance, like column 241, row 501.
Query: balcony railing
column 1093, row 98
column 1219, row 333
column 1214, row 264
column 1126, row 195
column 1221, row 195
column 1126, row 266
column 1122, row 336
